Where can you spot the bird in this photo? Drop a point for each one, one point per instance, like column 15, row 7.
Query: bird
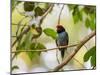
column 62, row 39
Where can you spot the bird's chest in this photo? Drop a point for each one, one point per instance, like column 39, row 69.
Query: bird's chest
column 62, row 39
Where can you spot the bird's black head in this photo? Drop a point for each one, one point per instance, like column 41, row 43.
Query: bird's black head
column 60, row 28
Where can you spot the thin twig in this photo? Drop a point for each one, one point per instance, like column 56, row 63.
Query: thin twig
column 20, row 24
column 57, row 57
column 45, row 14
column 76, row 60
column 44, row 50
column 67, row 59
column 60, row 14
column 18, row 37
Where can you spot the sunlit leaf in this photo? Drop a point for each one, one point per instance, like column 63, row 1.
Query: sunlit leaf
column 80, row 15
column 93, row 60
column 77, row 15
column 38, row 46
column 76, row 18
column 92, row 25
column 91, row 54
column 72, row 6
column 87, row 22
column 35, row 46
column 93, row 21
column 24, row 43
column 50, row 32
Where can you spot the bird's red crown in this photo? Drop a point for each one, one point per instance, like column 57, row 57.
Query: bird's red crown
column 60, row 28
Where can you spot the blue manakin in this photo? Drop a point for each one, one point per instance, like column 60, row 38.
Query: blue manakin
column 62, row 39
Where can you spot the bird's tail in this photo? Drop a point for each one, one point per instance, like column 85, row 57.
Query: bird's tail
column 62, row 53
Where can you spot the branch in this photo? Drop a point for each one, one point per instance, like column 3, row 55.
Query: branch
column 20, row 24
column 60, row 14
column 77, row 60
column 44, row 50
column 18, row 37
column 26, row 30
column 57, row 57
column 82, row 42
column 45, row 14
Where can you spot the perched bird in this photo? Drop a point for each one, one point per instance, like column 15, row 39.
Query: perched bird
column 62, row 39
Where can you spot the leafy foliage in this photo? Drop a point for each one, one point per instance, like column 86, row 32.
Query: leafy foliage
column 27, row 44
column 14, row 67
column 91, row 54
column 77, row 16
column 90, row 11
column 38, row 11
column 29, row 6
column 71, row 6
column 50, row 32
column 87, row 22
column 35, row 46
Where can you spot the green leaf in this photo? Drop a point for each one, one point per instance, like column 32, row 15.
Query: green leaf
column 14, row 67
column 87, row 56
column 29, row 6
column 93, row 60
column 25, row 44
column 87, row 23
column 80, row 15
column 35, row 46
column 91, row 54
column 40, row 46
column 38, row 11
column 92, row 25
column 71, row 6
column 76, row 18
column 50, row 32
column 93, row 21
column 28, row 45
column 27, row 40
column 32, row 55
column 77, row 15
column 89, row 9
